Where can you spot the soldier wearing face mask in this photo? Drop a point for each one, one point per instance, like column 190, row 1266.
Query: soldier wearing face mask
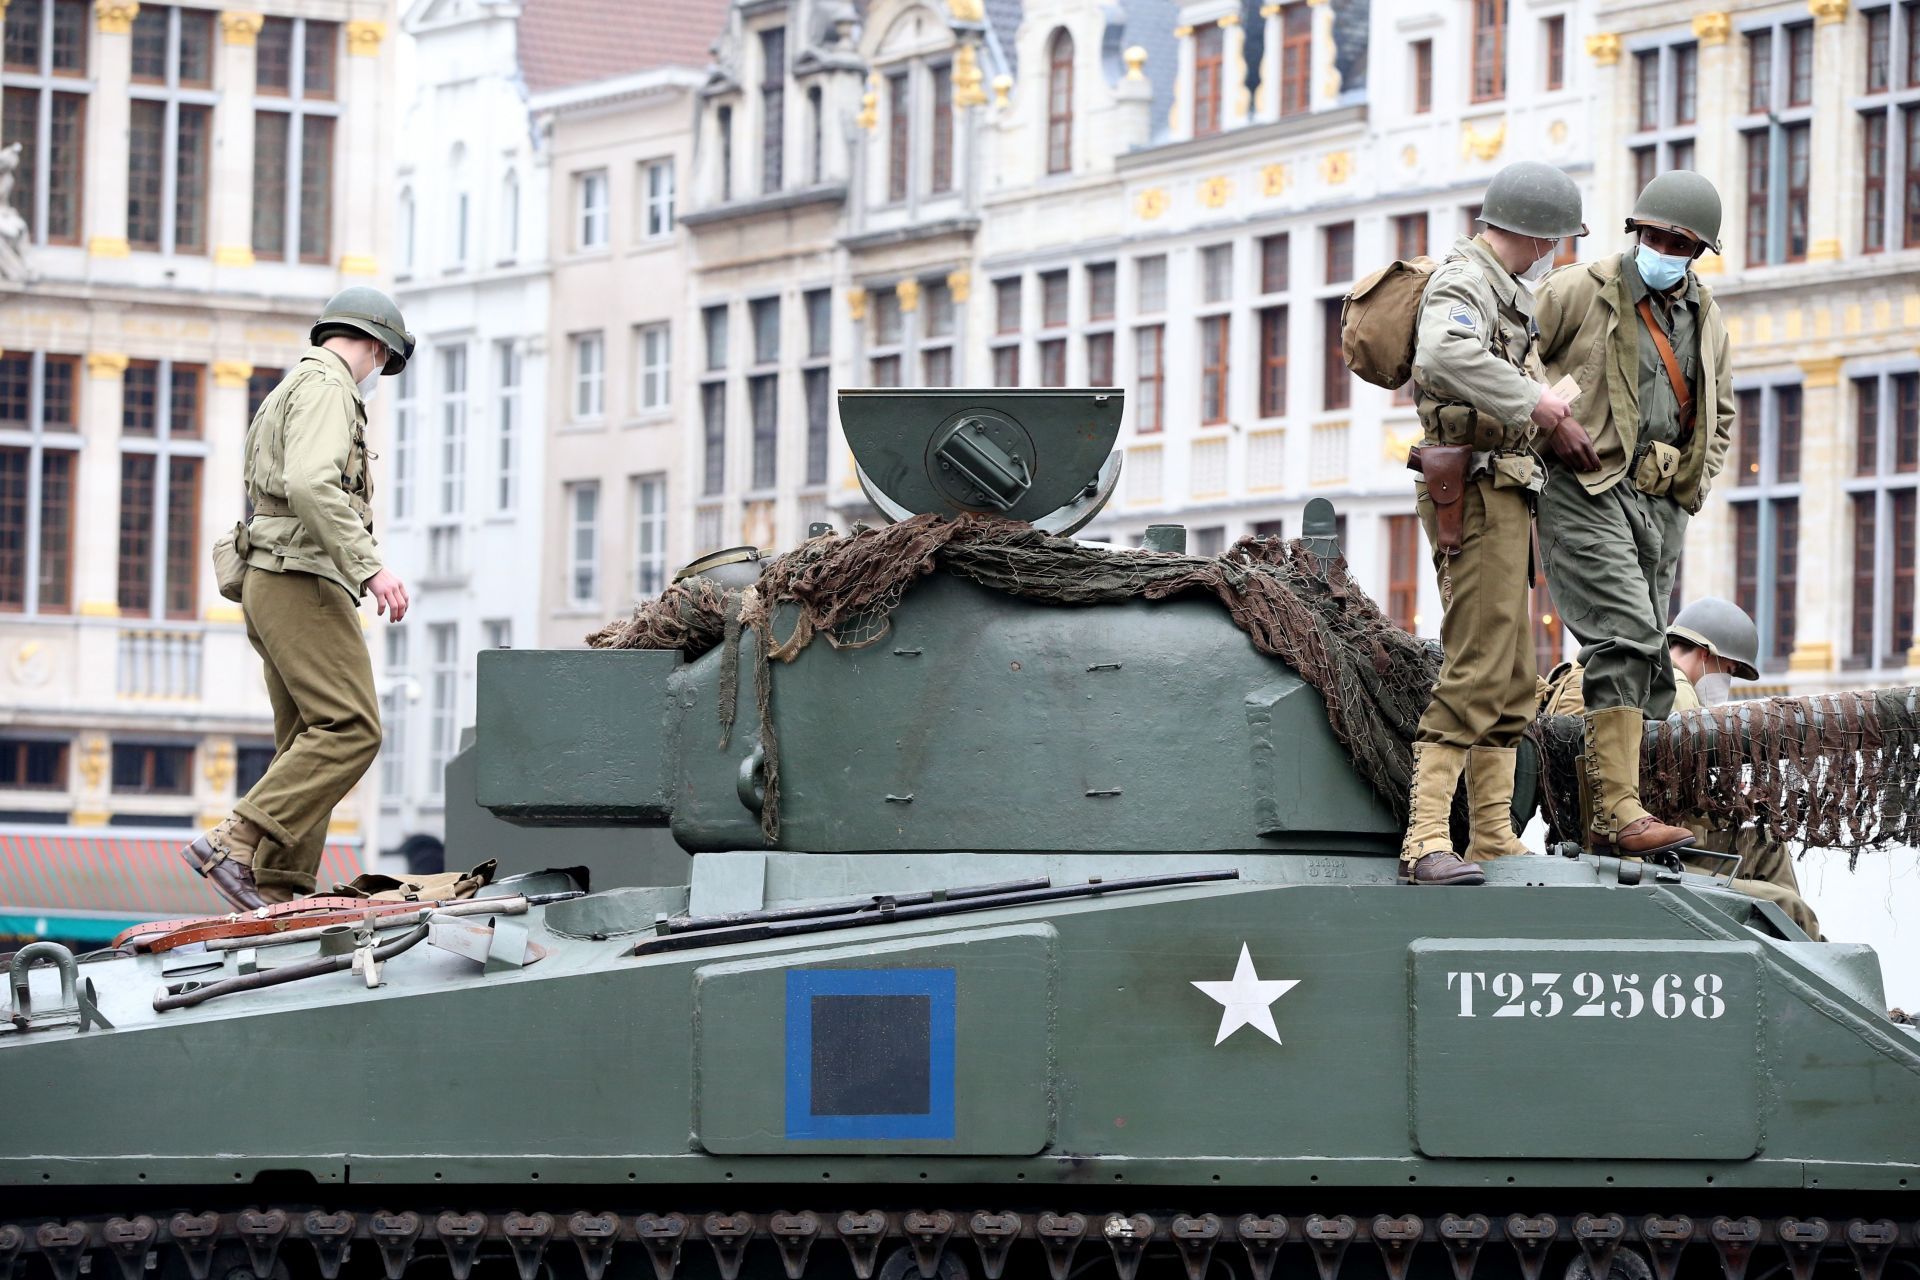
column 1645, row 342
column 1485, row 412
column 310, row 557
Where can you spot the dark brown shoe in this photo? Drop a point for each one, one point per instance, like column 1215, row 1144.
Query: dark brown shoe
column 1649, row 835
column 231, row 879
column 1441, row 867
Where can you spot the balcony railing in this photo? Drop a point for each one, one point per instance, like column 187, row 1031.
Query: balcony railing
column 158, row 664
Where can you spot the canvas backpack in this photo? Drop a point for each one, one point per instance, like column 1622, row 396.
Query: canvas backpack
column 1380, row 321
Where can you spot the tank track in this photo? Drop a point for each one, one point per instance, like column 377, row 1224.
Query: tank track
column 952, row 1244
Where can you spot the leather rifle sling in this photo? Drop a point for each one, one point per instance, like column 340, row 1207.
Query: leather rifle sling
column 1675, row 378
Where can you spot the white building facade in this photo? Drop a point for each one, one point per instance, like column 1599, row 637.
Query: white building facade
column 463, row 485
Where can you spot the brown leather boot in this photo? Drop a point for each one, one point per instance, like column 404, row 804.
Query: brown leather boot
column 1490, row 804
column 1621, row 825
column 1427, row 856
column 224, row 858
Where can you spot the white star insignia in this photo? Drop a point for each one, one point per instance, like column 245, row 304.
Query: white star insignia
column 1246, row 1000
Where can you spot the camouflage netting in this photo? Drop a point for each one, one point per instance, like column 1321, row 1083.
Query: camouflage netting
column 1848, row 777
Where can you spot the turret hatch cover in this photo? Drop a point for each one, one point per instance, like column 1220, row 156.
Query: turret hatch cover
column 1020, row 454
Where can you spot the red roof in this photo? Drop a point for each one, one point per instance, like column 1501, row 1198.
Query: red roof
column 566, row 42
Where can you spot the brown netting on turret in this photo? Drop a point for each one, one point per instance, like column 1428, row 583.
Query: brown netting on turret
column 1837, row 772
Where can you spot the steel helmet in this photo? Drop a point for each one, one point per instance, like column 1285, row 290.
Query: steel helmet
column 1533, row 199
column 1680, row 200
column 1724, row 630
column 367, row 311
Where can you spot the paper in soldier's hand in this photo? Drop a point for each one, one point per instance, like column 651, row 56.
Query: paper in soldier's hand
column 1567, row 389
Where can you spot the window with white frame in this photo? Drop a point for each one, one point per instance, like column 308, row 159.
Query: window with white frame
column 295, row 115
column 763, row 390
column 773, row 108
column 589, row 376
column 649, row 535
column 395, row 710
column 1765, row 502
column 590, row 209
column 163, row 454
column 1666, row 109
column 506, row 458
column 43, row 75
column 453, row 429
column 653, row 363
column 170, row 129
column 406, row 412
column 443, row 640
column 510, row 217
column 814, row 377
column 459, row 210
column 1777, row 134
column 1882, row 495
column 1890, row 129
column 583, row 544
column 656, row 178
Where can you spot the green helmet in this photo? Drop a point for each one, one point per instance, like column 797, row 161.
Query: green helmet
column 1680, row 200
column 367, row 311
column 1723, row 629
column 1533, row 199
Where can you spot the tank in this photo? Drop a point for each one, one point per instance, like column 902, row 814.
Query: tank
column 1033, row 925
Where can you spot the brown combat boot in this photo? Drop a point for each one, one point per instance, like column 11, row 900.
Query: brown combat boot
column 1427, row 856
column 224, row 857
column 1621, row 825
column 1490, row 804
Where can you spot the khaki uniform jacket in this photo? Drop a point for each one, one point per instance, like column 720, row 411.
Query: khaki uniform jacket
column 1589, row 329
column 1472, row 310
column 307, row 475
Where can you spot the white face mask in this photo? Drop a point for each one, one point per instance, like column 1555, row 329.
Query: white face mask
column 1541, row 265
column 1714, row 688
column 368, row 385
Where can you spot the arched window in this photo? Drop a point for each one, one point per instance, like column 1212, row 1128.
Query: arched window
column 1060, row 102
column 510, row 217
column 406, row 231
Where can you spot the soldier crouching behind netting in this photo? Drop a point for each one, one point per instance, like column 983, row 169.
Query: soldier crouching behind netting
column 1483, row 405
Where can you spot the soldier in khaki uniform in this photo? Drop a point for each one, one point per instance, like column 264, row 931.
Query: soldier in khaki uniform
column 1480, row 390
column 1711, row 643
column 310, row 557
column 1644, row 340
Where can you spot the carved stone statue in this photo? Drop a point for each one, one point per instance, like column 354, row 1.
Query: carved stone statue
column 13, row 227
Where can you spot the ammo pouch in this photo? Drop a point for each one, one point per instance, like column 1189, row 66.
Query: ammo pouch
column 1654, row 468
column 1445, row 468
column 230, row 560
column 1516, row 471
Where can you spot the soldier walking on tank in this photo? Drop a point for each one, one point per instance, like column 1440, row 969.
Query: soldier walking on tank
column 1645, row 341
column 310, row 559
column 1484, row 408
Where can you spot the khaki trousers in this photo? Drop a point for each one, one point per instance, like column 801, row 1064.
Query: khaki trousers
column 326, row 718
column 1485, row 694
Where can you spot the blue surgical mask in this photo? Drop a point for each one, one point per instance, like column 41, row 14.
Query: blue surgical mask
column 1660, row 270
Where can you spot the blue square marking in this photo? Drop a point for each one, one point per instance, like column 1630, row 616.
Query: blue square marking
column 883, row 1067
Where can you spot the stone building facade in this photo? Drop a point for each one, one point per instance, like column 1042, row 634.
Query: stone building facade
column 191, row 184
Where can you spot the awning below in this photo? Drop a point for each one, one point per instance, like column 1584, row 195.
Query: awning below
column 76, row 883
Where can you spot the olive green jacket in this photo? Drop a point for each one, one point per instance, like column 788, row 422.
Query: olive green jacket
column 307, row 476
column 1589, row 329
column 1474, row 344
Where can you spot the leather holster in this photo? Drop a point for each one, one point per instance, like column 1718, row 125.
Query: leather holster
column 1444, row 467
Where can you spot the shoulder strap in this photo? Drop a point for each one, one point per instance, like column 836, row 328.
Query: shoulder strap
column 1675, row 378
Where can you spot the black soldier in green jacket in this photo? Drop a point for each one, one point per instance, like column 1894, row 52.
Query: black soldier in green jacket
column 311, row 558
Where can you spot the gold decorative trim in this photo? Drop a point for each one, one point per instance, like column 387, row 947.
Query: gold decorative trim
column 1557, row 132
column 109, row 247
column 1409, row 155
column 1710, row 265
column 101, row 608
column 115, row 17
column 960, row 285
column 343, row 827
column 359, row 264
column 233, row 255
column 1002, row 90
column 967, row 10
column 1136, row 60
column 1814, row 655
column 93, row 761
column 1825, row 250
column 1820, row 371
column 1215, row 192
column 364, row 37
column 105, row 364
column 869, row 117
column 1475, row 145
column 231, row 373
column 218, row 769
column 225, row 612
column 967, row 77
column 1913, row 656
column 1395, row 445
column 856, row 304
column 908, row 294
column 1336, row 167
column 1151, row 203
column 1825, row 11
column 238, row 27
column 1712, row 28
column 1229, row 22
column 1270, row 10
column 1604, row 48
column 88, row 818
column 1274, row 179
column 1182, row 32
